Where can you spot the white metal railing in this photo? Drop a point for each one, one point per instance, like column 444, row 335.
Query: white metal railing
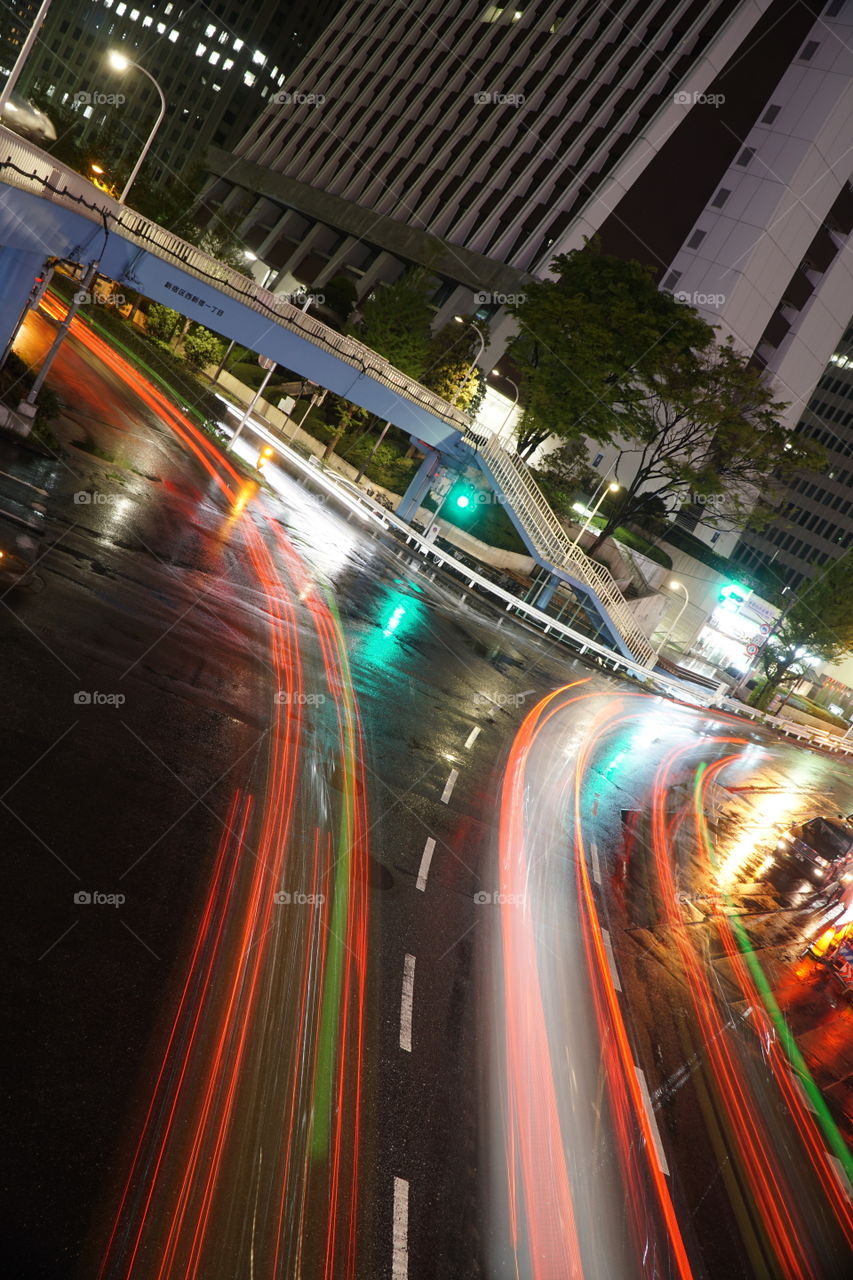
column 553, row 543
column 24, row 165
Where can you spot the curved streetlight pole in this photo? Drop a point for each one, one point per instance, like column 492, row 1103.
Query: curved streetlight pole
column 121, row 63
column 674, row 586
column 497, row 374
column 613, row 487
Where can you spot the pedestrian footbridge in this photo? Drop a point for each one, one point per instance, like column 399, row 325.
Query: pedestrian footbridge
column 48, row 210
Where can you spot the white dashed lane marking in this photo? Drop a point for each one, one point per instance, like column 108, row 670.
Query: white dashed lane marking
column 400, row 1255
column 472, row 737
column 611, row 959
column 448, row 786
column 406, row 1001
column 653, row 1124
column 596, row 865
column 426, row 859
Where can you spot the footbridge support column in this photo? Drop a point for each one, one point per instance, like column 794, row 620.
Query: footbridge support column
column 419, row 486
column 18, row 271
column 546, row 595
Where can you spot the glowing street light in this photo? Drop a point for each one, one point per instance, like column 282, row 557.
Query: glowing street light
column 119, row 62
column 613, row 487
column 674, row 586
column 496, row 373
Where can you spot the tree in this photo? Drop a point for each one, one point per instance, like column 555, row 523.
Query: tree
column 566, row 474
column 202, row 347
column 587, row 335
column 339, row 295
column 349, row 417
column 161, row 321
column 818, row 626
column 701, row 427
column 450, row 370
column 395, row 321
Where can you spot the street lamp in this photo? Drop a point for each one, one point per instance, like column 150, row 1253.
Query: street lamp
column 479, row 332
column 120, row 63
column 674, row 586
column 497, row 374
column 613, row 487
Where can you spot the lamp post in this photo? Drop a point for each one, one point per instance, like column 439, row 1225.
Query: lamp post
column 674, row 586
column 497, row 374
column 121, row 63
column 14, row 74
column 613, row 487
column 480, row 335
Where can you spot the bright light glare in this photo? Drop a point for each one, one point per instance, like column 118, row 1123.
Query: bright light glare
column 119, row 61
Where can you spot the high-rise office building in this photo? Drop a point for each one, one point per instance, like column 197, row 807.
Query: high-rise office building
column 480, row 141
column 217, row 63
column 17, row 18
column 814, row 524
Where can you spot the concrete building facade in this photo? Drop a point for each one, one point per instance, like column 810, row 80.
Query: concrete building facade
column 218, row 65
column 480, row 141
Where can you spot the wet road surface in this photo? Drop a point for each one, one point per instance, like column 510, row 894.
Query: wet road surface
column 299, row 1027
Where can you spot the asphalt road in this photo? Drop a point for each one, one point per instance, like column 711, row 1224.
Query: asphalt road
column 345, row 979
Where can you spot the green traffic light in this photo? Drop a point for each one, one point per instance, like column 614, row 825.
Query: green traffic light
column 463, row 500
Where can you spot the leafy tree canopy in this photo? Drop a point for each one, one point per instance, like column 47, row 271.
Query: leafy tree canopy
column 394, row 319
column 819, row 624
column 588, row 334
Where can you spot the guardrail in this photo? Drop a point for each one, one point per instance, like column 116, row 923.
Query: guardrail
column 348, row 495
column 27, row 167
column 804, row 733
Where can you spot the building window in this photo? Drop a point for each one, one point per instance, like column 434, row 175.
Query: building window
column 770, row 114
column 720, row 198
column 714, row 537
column 745, row 156
column 598, row 459
column 809, row 50
column 671, row 280
column 695, row 240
